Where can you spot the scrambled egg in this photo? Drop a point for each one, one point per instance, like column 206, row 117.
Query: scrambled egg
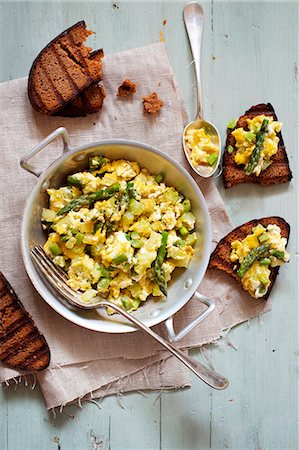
column 246, row 140
column 203, row 152
column 109, row 246
column 256, row 279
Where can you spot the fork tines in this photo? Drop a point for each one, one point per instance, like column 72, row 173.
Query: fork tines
column 54, row 274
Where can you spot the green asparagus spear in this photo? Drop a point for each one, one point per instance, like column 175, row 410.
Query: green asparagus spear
column 159, row 273
column 88, row 199
column 255, row 156
column 129, row 192
column 254, row 255
column 73, row 181
column 120, row 259
column 278, row 254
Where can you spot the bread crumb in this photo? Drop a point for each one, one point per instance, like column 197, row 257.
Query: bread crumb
column 152, row 103
column 126, row 88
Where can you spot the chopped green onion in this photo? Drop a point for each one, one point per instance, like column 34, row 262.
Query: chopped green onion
column 179, row 243
column 73, row 181
column 159, row 178
column 135, row 207
column 79, row 237
column 128, row 236
column 120, row 259
column 135, row 235
column 136, row 243
column 183, row 231
column 186, row 205
column 230, row 149
column 55, row 249
column 212, row 158
column 265, row 261
column 129, row 303
column 64, row 238
column 249, row 136
column 104, row 283
column 104, row 272
column 263, row 238
column 232, row 124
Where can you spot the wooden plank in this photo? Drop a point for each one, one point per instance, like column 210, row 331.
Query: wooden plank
column 135, row 421
column 3, row 420
column 252, row 65
column 30, row 426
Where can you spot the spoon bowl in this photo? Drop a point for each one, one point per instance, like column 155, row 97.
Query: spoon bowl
column 194, row 20
column 211, row 130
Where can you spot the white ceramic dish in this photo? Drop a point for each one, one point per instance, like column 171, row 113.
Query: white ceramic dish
column 184, row 284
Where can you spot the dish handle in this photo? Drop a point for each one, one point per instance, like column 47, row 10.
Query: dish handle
column 24, row 161
column 174, row 337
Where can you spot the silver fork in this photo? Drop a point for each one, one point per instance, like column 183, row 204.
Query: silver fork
column 57, row 278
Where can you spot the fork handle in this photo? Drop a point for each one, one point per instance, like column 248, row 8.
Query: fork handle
column 210, row 377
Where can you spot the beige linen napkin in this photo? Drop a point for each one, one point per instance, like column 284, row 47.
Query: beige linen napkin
column 86, row 363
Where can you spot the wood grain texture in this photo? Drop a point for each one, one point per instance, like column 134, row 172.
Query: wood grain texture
column 249, row 56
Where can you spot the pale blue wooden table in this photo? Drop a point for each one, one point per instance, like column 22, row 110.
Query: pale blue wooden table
column 249, row 56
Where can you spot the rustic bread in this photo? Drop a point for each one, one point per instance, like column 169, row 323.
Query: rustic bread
column 62, row 70
column 22, row 346
column 220, row 258
column 278, row 172
column 87, row 102
column 90, row 100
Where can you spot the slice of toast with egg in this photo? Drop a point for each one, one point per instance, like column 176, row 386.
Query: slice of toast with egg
column 221, row 256
column 234, row 173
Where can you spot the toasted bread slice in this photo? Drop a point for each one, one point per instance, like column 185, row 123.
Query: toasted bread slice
column 220, row 258
column 62, row 70
column 278, row 172
column 90, row 100
column 22, row 346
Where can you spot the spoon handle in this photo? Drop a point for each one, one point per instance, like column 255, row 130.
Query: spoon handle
column 194, row 19
column 210, row 377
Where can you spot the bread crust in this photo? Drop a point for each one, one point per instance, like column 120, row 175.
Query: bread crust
column 22, row 346
column 220, row 258
column 152, row 104
column 128, row 87
column 278, row 172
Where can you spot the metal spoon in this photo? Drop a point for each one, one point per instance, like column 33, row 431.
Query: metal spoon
column 194, row 20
